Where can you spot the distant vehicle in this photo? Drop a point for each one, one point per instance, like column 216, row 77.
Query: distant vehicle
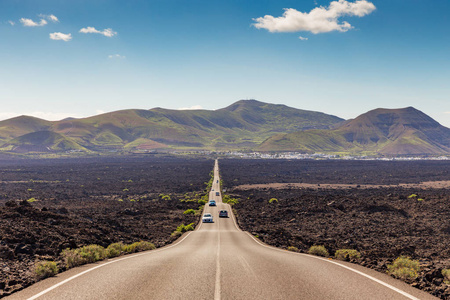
column 217, row 181
column 212, row 203
column 207, row 218
column 217, row 193
column 223, row 214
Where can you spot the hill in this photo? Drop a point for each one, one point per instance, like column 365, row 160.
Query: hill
column 42, row 141
column 405, row 131
column 244, row 124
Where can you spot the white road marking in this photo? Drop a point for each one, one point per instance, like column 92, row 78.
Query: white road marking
column 343, row 266
column 102, row 265
column 217, row 285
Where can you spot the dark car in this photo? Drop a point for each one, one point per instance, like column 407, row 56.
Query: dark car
column 212, row 203
column 223, row 214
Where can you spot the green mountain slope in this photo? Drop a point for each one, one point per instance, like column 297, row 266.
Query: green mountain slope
column 18, row 126
column 244, row 124
column 406, row 131
column 42, row 141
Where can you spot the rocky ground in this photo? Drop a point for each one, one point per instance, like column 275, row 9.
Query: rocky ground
column 380, row 222
column 47, row 206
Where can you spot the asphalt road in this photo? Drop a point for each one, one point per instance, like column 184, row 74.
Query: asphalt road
column 219, row 261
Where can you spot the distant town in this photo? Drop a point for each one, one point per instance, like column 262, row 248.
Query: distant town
column 318, row 156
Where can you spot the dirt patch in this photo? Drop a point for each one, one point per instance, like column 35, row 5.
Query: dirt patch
column 443, row 184
column 47, row 206
column 382, row 218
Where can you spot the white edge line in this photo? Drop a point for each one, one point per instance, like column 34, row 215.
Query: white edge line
column 107, row 263
column 343, row 266
column 102, row 265
column 333, row 262
column 217, row 290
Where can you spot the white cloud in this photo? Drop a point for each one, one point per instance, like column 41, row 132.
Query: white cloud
column 52, row 18
column 319, row 20
column 31, row 23
column 11, row 23
column 118, row 56
column 195, row 107
column 447, row 112
column 106, row 32
column 302, row 38
column 59, row 36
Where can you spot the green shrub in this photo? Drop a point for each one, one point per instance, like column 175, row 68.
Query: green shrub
column 412, row 196
column 202, row 201
column 164, row 197
column 183, row 228
column 139, row 246
column 189, row 212
column 115, row 249
column 228, row 199
column 83, row 255
column 31, row 200
column 446, row 274
column 71, row 258
column 404, row 268
column 272, row 200
column 292, row 248
column 318, row 250
column 45, row 268
column 347, row 254
column 92, row 253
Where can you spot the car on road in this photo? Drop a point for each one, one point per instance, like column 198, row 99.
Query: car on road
column 223, row 214
column 207, row 218
column 217, row 193
column 212, row 203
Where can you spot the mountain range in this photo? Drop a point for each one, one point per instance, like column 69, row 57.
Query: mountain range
column 244, row 125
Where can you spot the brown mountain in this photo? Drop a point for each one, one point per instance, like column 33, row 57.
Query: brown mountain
column 405, row 131
column 244, row 124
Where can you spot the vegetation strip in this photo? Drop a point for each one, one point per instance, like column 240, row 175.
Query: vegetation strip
column 102, row 265
column 343, row 266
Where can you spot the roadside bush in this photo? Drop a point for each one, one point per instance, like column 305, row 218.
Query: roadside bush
column 92, row 253
column 114, row 250
column 228, row 199
column 44, row 269
column 83, row 255
column 347, row 254
column 199, row 211
column 318, row 250
column 446, row 274
column 404, row 268
column 139, row 246
column 292, row 248
column 202, row 201
column 272, row 200
column 189, row 211
column 183, row 228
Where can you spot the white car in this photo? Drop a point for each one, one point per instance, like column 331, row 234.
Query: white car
column 207, row 218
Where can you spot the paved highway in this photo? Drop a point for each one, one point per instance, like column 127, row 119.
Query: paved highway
column 219, row 261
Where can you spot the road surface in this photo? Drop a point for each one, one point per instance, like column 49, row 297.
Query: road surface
column 219, row 261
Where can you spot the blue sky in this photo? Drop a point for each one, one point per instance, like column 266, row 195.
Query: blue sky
column 209, row 54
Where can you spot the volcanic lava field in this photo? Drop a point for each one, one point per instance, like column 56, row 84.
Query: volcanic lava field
column 50, row 205
column 363, row 206
column 53, row 204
